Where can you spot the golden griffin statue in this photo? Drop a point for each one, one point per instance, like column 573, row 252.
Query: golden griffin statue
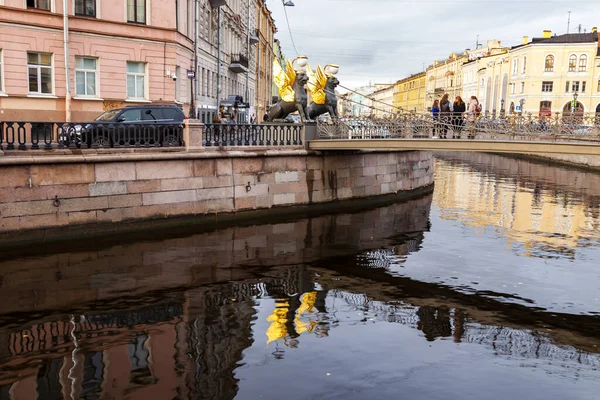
column 322, row 84
column 291, row 84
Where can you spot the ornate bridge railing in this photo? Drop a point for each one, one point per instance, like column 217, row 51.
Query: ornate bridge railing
column 221, row 135
column 557, row 127
column 22, row 135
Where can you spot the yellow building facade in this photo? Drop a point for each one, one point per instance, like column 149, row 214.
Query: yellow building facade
column 409, row 93
column 444, row 77
column 547, row 73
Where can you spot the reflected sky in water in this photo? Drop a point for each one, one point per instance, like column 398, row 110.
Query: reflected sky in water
column 487, row 289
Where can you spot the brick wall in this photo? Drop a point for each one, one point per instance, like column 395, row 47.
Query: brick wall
column 34, row 196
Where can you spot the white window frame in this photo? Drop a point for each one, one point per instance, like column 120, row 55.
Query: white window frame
column 51, row 4
column 524, row 64
column 550, row 56
column 545, row 84
column 572, row 68
column 580, row 67
column 85, row 72
column 522, row 87
column 575, row 86
column 515, row 69
column 136, row 74
column 39, row 74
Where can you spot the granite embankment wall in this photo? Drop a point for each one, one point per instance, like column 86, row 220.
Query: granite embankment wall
column 576, row 160
column 38, row 195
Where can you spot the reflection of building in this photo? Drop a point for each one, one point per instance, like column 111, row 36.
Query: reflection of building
column 546, row 72
column 409, row 93
column 531, row 216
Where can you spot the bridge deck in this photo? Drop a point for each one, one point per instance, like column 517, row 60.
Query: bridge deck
column 492, row 146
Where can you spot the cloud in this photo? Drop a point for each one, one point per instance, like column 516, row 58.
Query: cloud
column 387, row 40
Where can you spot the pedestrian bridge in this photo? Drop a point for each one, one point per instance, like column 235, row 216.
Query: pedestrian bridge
column 559, row 134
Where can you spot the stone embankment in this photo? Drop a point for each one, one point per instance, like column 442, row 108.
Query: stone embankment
column 45, row 193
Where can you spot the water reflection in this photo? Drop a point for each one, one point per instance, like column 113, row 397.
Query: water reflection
column 337, row 305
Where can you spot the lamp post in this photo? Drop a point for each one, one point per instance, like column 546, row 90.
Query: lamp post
column 574, row 102
column 288, row 3
column 502, row 112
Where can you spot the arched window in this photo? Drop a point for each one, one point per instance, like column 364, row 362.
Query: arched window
column 583, row 63
column 549, row 67
column 572, row 63
column 524, row 64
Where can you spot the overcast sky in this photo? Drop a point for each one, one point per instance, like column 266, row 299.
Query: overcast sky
column 385, row 40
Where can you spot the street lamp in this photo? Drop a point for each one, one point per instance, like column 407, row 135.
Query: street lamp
column 574, row 102
column 288, row 3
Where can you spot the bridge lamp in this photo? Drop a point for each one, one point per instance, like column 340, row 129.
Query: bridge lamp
column 288, row 3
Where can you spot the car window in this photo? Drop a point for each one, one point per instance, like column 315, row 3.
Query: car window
column 130, row 115
column 173, row 114
column 152, row 114
column 108, row 116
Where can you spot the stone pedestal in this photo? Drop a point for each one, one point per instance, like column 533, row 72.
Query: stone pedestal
column 192, row 135
column 310, row 133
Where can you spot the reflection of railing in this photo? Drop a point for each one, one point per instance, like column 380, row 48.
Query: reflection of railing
column 559, row 126
column 253, row 135
column 51, row 135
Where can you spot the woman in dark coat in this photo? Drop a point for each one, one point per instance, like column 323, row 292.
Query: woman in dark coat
column 445, row 115
column 459, row 107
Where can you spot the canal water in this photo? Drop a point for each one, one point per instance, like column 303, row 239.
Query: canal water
column 487, row 289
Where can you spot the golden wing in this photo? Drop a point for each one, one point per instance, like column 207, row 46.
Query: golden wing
column 317, row 87
column 282, row 80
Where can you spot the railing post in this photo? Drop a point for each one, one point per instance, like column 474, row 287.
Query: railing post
column 192, row 135
column 309, row 132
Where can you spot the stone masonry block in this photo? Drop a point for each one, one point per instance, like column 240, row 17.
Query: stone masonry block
column 14, row 176
column 143, row 186
column 314, row 162
column 248, row 203
column 287, row 198
column 264, row 201
column 62, row 174
column 243, row 179
column 83, row 204
column 214, row 193
column 302, row 198
column 369, row 171
column 44, row 221
column 217, row 181
column 224, row 166
column 178, row 196
column 315, row 174
column 27, row 208
column 205, row 167
column 10, row 224
column 82, row 217
column 164, row 169
column 345, row 193
column 128, row 200
column 107, row 188
column 247, row 165
column 275, row 164
column 111, row 172
column 24, row 194
column 256, row 190
column 67, row 191
column 115, row 215
column 287, row 176
column 181, row 183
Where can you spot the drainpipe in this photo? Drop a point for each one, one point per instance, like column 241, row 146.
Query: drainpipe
column 67, row 69
column 218, row 57
column 247, row 94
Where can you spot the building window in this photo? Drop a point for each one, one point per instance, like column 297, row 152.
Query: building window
column 513, row 88
column 85, row 76
column 583, row 63
column 515, row 66
column 575, row 87
column 567, row 86
column 86, row 8
column 39, row 69
column 549, row 65
column 583, row 85
column 522, row 87
column 482, row 82
column 545, row 105
column 547, row 86
column 39, row 4
column 524, row 64
column 572, row 63
column 136, row 11
column 598, row 86
column 136, row 80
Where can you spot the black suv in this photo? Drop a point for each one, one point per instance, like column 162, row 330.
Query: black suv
column 133, row 126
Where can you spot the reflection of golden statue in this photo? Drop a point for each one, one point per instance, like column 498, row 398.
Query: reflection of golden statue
column 322, row 84
column 291, row 89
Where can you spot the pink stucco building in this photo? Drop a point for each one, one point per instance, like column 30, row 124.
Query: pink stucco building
column 120, row 52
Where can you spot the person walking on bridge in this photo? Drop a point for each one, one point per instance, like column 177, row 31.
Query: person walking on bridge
column 435, row 112
column 472, row 114
column 458, row 109
column 445, row 115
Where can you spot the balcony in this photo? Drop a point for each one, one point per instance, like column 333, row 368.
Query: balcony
column 239, row 64
column 254, row 37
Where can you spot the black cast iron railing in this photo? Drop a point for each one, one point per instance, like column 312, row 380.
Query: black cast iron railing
column 22, row 135
column 252, row 135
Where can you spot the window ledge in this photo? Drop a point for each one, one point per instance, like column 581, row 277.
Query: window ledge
column 137, row 101
column 42, row 96
column 87, row 98
column 2, row 94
